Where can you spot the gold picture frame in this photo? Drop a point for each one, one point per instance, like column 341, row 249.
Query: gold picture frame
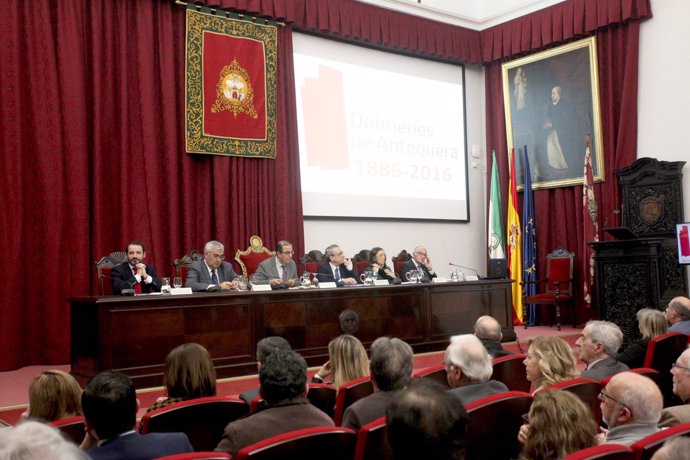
column 551, row 103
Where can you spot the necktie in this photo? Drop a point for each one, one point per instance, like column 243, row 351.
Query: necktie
column 214, row 277
column 284, row 275
column 137, row 286
column 337, row 273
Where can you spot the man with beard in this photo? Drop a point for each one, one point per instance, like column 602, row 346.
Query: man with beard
column 134, row 274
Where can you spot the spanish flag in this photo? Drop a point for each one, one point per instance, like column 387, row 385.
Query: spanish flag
column 514, row 246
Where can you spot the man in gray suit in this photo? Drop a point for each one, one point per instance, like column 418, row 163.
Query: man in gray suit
column 469, row 369
column 676, row 415
column 278, row 270
column 599, row 343
column 212, row 273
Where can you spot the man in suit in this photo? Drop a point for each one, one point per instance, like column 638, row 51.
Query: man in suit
column 469, row 369
column 264, row 348
column 283, row 379
column 278, row 270
column 630, row 406
column 678, row 315
column 337, row 268
column 134, row 274
column 676, row 415
column 110, row 408
column 488, row 330
column 599, row 343
column 420, row 261
column 212, row 273
column 391, row 366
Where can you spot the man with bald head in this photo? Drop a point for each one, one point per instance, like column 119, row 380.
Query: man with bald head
column 488, row 330
column 630, row 406
column 468, row 369
column 676, row 415
column 420, row 261
column 678, row 315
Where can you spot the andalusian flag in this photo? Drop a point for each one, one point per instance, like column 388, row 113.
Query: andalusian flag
column 496, row 239
column 590, row 226
column 514, row 244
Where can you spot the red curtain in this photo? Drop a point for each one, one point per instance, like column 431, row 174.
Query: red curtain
column 92, row 140
column 559, row 211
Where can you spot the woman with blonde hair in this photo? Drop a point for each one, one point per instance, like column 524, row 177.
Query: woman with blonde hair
column 53, row 395
column 559, row 424
column 188, row 374
column 549, row 360
column 347, row 361
column 652, row 323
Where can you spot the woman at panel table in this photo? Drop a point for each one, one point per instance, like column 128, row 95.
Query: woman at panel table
column 378, row 266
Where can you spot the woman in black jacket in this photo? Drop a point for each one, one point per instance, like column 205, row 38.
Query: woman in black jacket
column 652, row 323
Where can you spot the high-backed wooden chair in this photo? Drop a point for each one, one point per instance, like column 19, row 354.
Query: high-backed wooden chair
column 71, row 427
column 510, row 370
column 662, row 352
column 398, row 261
column 558, row 285
column 202, row 419
column 180, row 265
column 334, row 443
column 311, row 260
column 437, row 373
column 493, row 424
column 349, row 393
column 372, row 441
column 603, row 452
column 585, row 389
column 644, row 448
column 361, row 260
column 250, row 258
column 104, row 265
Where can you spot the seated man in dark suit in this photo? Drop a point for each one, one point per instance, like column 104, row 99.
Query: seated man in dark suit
column 391, row 366
column 264, row 348
column 488, row 330
column 280, row 269
column 469, row 369
column 599, row 343
column 338, row 268
column 283, row 379
column 110, row 408
column 420, row 261
column 134, row 274
column 211, row 273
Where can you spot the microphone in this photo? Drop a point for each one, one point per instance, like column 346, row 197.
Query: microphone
column 466, row 268
column 123, row 292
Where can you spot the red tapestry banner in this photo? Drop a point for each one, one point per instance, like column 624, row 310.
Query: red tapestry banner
column 231, row 86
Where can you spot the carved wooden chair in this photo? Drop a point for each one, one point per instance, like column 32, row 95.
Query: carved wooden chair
column 311, row 260
column 180, row 265
column 104, row 266
column 361, row 260
column 558, row 283
column 250, row 258
column 398, row 261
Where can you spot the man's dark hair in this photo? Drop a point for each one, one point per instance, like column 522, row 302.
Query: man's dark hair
column 391, row 363
column 282, row 376
column 281, row 244
column 109, row 403
column 268, row 345
column 426, row 421
column 135, row 243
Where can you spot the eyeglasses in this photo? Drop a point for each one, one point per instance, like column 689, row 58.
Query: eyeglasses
column 218, row 256
column 603, row 394
column 288, row 252
column 678, row 366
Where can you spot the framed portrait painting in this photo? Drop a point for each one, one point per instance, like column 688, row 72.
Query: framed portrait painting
column 551, row 104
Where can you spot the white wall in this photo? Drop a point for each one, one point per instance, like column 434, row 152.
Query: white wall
column 463, row 244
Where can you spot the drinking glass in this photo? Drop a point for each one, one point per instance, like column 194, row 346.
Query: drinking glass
column 305, row 279
column 241, row 283
column 165, row 287
column 177, row 282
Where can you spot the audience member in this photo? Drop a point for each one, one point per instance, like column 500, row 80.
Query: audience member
column 559, row 424
column 420, row 261
column 676, row 448
column 32, row 440
column 599, row 343
column 379, row 268
column 678, row 315
column 347, row 361
column 391, row 366
column 134, row 274
column 676, row 415
column 110, row 408
column 53, row 395
column 337, row 268
column 283, row 379
column 631, row 406
column 425, row 421
column 652, row 323
column 278, row 270
column 468, row 369
column 188, row 374
column 488, row 330
column 211, row 273
column 549, row 360
column 265, row 347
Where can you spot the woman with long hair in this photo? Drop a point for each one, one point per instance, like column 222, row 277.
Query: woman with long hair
column 549, row 360
column 347, row 361
column 53, row 395
column 652, row 323
column 378, row 266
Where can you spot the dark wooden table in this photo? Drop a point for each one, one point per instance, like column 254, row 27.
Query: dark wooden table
column 134, row 334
